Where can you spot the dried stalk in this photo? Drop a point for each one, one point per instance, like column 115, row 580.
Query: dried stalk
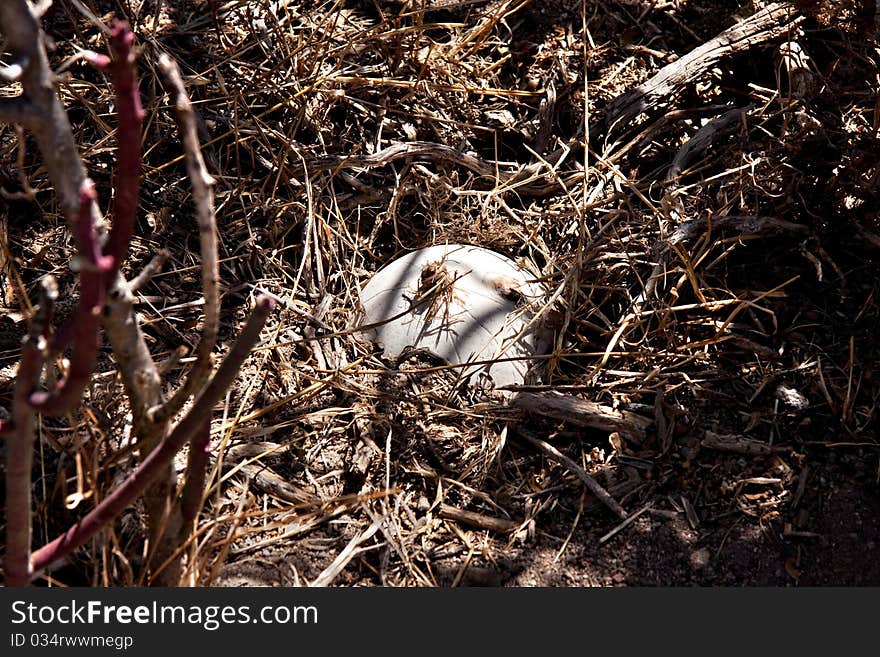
column 201, row 182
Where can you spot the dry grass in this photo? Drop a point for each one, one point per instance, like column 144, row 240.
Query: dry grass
column 336, row 466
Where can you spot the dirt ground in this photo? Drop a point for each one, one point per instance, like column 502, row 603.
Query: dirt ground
column 710, row 261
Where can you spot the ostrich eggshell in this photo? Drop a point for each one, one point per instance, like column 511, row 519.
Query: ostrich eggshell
column 462, row 303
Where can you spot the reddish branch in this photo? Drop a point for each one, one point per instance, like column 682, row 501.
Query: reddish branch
column 86, row 322
column 98, row 272
column 128, row 139
column 159, row 458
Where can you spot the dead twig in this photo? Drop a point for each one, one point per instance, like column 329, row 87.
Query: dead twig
column 592, row 485
column 584, row 413
column 773, row 21
column 477, row 520
column 739, row 445
column 626, row 523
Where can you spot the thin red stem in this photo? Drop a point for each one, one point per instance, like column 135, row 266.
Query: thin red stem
column 87, row 319
column 128, row 138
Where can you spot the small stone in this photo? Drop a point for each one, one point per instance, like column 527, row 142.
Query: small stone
column 700, row 558
column 792, row 398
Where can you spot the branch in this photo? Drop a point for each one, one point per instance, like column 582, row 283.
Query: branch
column 771, row 22
column 20, row 447
column 154, row 464
column 136, row 366
column 86, row 323
column 45, row 115
column 196, row 470
column 128, row 139
column 54, row 137
column 583, row 413
column 201, row 182
column 19, row 462
column 592, row 485
column 153, row 267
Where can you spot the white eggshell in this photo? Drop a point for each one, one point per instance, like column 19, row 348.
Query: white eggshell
column 481, row 314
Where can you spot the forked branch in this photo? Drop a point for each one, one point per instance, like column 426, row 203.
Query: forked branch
column 155, row 463
column 86, row 323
